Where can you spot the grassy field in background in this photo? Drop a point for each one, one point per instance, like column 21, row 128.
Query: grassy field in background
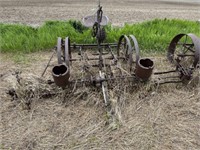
column 152, row 35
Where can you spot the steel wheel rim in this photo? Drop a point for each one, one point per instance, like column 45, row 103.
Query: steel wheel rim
column 67, row 52
column 135, row 48
column 59, row 47
column 127, row 47
column 184, row 48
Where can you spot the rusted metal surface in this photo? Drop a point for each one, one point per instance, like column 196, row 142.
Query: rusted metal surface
column 120, row 62
column 196, row 41
column 127, row 52
column 59, row 50
column 67, row 52
column 135, row 48
column 144, row 68
column 63, row 49
column 118, row 66
column 61, row 75
column 183, row 52
column 89, row 21
column 48, row 64
column 124, row 48
column 184, row 49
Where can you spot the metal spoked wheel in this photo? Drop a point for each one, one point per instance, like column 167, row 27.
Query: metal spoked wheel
column 184, row 50
column 135, row 51
column 124, row 53
column 59, row 50
column 67, row 52
column 63, row 52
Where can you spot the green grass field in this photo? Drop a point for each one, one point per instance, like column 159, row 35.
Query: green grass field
column 152, row 35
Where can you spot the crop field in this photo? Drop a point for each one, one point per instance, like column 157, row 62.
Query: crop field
column 37, row 115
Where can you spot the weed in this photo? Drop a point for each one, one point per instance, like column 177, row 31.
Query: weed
column 152, row 36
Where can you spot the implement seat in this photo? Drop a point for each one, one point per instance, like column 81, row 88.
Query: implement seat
column 89, row 21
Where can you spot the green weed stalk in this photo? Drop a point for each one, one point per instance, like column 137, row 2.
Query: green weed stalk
column 152, row 35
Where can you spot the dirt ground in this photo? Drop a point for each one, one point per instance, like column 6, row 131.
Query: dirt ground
column 35, row 12
column 145, row 117
column 164, row 117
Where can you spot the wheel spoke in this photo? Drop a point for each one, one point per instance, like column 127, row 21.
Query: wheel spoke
column 183, row 49
column 189, row 48
column 185, row 55
column 123, row 51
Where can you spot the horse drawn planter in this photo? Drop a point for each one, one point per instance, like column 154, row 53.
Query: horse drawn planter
column 120, row 61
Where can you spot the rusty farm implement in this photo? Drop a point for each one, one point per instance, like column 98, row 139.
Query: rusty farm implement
column 120, row 62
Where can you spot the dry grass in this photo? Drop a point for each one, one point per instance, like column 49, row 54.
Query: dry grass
column 146, row 117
